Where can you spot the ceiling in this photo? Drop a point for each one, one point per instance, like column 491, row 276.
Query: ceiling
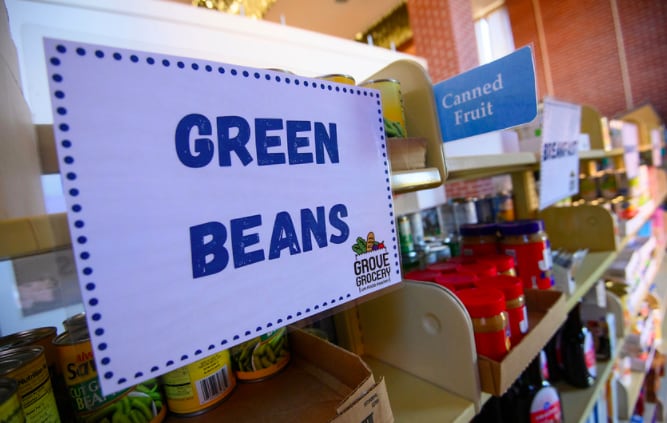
column 340, row 18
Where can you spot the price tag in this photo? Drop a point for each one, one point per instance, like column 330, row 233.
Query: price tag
column 559, row 162
column 210, row 203
column 491, row 97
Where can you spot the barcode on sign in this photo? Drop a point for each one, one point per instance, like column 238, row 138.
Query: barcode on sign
column 213, row 386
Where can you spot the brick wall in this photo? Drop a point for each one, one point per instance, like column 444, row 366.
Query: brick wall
column 583, row 55
column 644, row 26
column 444, row 34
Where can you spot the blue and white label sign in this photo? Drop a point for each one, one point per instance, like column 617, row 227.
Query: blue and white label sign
column 491, row 97
column 210, row 203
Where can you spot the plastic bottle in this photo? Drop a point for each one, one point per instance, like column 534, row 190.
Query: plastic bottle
column 532, row 398
column 575, row 351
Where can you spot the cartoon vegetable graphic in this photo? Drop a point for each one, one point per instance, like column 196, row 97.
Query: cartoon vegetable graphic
column 360, row 246
column 370, row 241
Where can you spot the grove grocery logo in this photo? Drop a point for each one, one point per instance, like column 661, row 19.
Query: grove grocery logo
column 371, row 264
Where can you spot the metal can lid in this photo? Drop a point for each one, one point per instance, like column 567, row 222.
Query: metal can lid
column 335, row 75
column 26, row 337
column 14, row 358
column 375, row 81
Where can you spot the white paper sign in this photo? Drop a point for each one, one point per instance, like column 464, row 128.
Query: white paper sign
column 630, row 137
column 210, row 203
column 559, row 165
column 656, row 145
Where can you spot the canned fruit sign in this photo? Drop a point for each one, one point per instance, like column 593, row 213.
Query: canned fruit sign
column 491, row 97
column 211, row 203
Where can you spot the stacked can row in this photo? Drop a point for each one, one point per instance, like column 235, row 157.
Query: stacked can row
column 48, row 378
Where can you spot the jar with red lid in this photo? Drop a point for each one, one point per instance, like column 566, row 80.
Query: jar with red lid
column 482, row 270
column 443, row 267
column 457, row 281
column 424, row 275
column 504, row 263
column 515, row 303
column 526, row 241
column 486, row 307
column 479, row 239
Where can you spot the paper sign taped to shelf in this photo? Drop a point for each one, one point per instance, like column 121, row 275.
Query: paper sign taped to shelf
column 491, row 97
column 625, row 135
column 656, row 147
column 559, row 162
column 211, row 203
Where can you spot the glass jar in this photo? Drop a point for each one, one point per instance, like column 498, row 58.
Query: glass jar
column 457, row 281
column 486, row 307
column 424, row 275
column 482, row 270
column 504, row 263
column 526, row 241
column 479, row 239
column 515, row 303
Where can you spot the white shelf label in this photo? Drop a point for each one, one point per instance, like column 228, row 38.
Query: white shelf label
column 209, row 203
column 559, row 162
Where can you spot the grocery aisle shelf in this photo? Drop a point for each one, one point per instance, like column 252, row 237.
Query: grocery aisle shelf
column 589, row 272
column 600, row 154
column 579, row 402
column 483, row 166
column 411, row 180
column 414, row 400
column 635, row 381
column 33, row 235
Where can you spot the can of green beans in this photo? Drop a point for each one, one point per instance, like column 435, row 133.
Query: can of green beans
column 393, row 112
column 10, row 405
column 200, row 386
column 27, row 366
column 261, row 357
column 140, row 403
column 42, row 336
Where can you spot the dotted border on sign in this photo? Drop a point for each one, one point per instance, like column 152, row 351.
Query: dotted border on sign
column 68, row 159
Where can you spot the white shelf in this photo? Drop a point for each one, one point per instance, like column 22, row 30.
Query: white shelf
column 471, row 167
column 407, row 180
column 600, row 154
column 413, row 400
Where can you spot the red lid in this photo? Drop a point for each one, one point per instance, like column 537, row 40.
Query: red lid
column 456, row 281
column 425, row 275
column 503, row 262
column 443, row 267
column 461, row 260
column 480, row 269
column 482, row 302
column 512, row 286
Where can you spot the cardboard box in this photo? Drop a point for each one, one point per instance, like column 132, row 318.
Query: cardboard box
column 322, row 383
column 546, row 313
column 407, row 153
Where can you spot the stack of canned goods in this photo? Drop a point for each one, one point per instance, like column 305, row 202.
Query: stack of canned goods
column 49, row 377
